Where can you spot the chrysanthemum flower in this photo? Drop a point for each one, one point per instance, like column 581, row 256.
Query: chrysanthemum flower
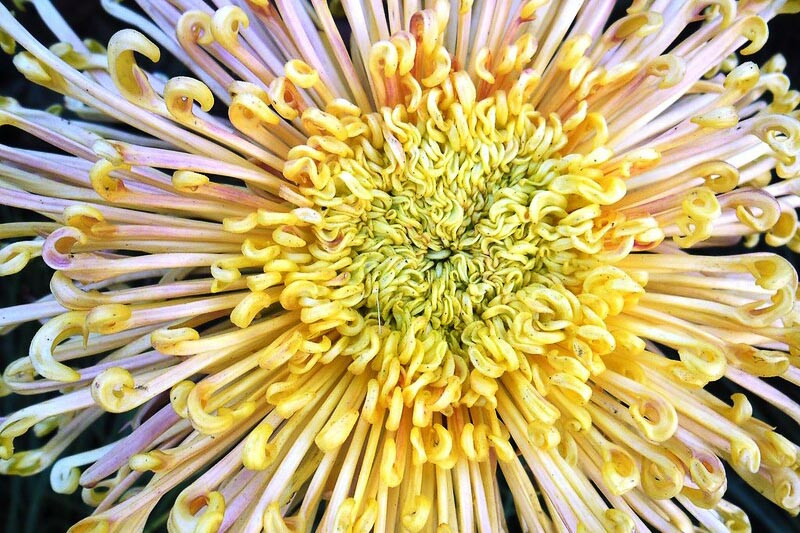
column 348, row 284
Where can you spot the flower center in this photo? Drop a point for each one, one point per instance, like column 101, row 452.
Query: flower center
column 448, row 227
column 464, row 230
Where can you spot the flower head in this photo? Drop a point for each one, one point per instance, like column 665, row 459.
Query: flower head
column 353, row 284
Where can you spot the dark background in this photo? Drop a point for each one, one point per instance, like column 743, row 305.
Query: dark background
column 29, row 504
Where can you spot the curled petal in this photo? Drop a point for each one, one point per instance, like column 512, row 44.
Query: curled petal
column 301, row 74
column 37, row 72
column 754, row 207
column 78, row 60
column 781, row 133
column 48, row 337
column 107, row 319
column 720, row 118
column 285, row 98
column 669, row 67
column 755, row 30
column 181, row 92
column 107, row 186
column 115, row 390
column 15, row 256
column 226, row 23
column 132, row 81
column 784, row 229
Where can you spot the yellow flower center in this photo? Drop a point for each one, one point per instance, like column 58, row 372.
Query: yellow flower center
column 463, row 230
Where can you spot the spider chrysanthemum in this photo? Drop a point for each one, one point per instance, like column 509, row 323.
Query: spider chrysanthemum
column 351, row 283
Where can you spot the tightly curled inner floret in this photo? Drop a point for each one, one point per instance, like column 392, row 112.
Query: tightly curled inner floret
column 470, row 224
